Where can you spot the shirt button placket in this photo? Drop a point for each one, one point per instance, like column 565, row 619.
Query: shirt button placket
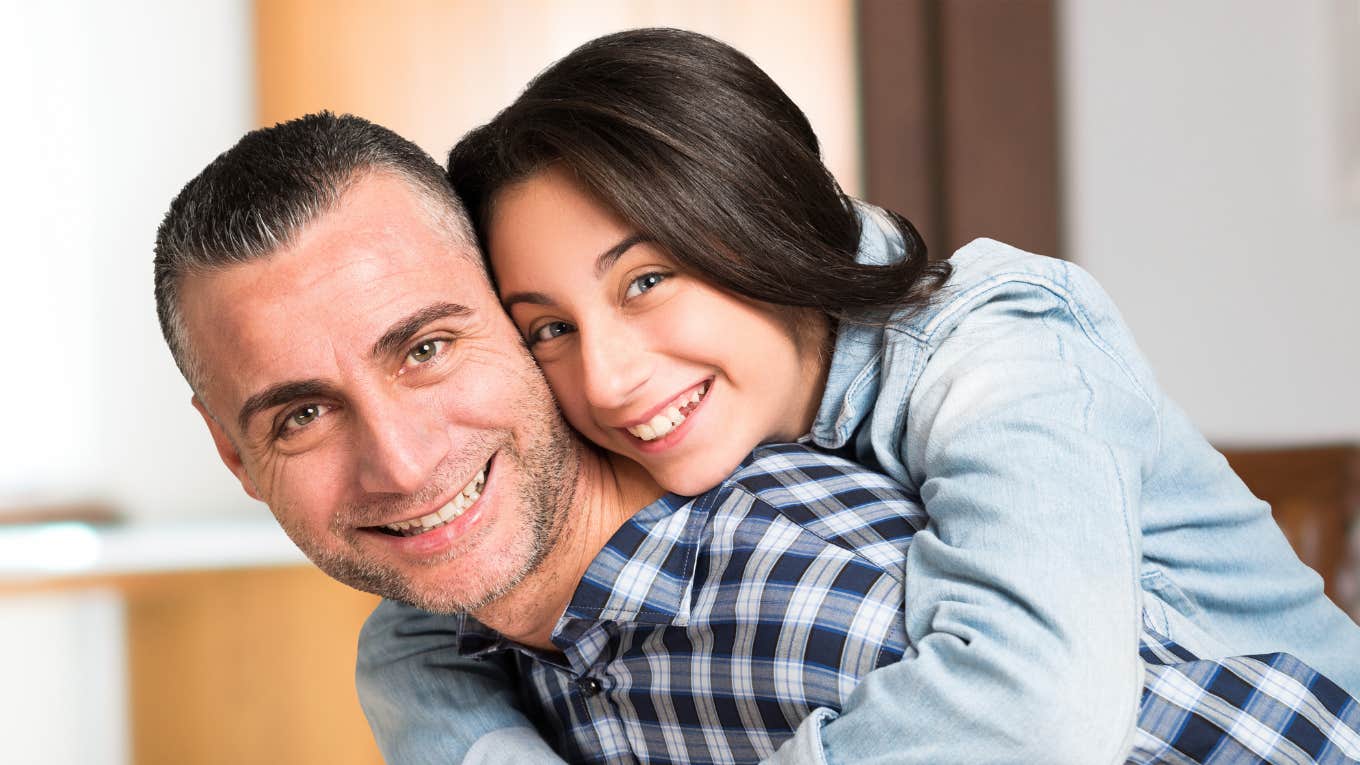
column 589, row 686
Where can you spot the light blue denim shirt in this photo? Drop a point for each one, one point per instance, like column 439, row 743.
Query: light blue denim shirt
column 1064, row 491
column 1066, row 496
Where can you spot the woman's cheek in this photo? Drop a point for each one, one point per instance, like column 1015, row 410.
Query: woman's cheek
column 564, row 382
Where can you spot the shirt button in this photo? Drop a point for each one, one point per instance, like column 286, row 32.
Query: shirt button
column 589, row 686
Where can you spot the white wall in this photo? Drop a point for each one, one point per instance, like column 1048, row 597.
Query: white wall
column 110, row 107
column 63, row 697
column 1207, row 147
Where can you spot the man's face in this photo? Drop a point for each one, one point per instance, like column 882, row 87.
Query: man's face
column 365, row 384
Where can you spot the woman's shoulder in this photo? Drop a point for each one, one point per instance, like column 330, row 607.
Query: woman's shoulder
column 1005, row 309
column 1000, row 290
column 1004, row 279
column 1000, row 305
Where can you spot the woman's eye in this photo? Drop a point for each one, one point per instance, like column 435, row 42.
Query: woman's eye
column 425, row 350
column 549, row 331
column 302, row 417
column 643, row 284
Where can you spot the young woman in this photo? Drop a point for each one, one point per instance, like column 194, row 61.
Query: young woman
column 694, row 283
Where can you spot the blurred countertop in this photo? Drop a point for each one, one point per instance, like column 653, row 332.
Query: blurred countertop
column 54, row 551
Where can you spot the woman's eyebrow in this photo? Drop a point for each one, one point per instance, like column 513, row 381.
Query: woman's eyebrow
column 532, row 298
column 603, row 262
column 606, row 259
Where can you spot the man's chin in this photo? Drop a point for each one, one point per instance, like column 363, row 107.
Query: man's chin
column 447, row 586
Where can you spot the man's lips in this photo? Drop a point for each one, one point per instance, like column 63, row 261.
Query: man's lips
column 441, row 515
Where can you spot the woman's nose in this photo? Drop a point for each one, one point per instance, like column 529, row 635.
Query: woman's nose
column 614, row 367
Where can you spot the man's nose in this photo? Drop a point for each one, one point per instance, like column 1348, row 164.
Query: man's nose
column 400, row 445
column 615, row 365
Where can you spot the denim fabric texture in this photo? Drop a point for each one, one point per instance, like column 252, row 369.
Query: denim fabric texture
column 1067, row 496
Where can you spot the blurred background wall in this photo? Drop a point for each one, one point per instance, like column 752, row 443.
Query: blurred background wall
column 1205, row 165
column 1212, row 165
column 111, row 108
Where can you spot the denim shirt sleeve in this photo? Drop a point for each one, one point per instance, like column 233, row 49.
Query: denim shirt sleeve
column 1027, row 435
column 429, row 705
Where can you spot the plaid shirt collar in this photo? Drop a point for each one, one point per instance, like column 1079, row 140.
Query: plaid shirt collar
column 645, row 572
column 643, row 575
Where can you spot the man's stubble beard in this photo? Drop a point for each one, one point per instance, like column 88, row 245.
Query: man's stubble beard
column 547, row 470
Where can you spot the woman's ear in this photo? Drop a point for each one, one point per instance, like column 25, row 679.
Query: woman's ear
column 227, row 450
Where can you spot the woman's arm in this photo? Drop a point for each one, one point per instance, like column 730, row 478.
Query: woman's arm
column 428, row 705
column 1027, row 437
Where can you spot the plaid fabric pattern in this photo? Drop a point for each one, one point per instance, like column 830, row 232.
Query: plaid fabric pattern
column 708, row 628
column 1268, row 708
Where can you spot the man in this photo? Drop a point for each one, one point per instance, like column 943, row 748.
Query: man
column 319, row 288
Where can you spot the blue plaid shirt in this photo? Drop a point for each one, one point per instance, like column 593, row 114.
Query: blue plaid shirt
column 709, row 627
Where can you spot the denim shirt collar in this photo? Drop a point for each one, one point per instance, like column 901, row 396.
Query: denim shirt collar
column 852, row 381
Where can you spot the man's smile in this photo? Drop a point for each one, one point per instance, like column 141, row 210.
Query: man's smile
column 445, row 513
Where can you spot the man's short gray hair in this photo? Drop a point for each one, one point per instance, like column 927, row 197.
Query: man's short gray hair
column 257, row 196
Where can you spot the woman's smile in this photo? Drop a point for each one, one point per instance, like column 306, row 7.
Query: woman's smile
column 669, row 416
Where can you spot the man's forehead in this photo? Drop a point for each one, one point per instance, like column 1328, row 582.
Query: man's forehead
column 375, row 259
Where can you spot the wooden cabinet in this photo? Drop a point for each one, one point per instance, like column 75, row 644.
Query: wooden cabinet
column 1314, row 493
column 245, row 666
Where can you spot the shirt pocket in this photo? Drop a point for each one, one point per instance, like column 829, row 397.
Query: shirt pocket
column 1168, row 611
column 1161, row 594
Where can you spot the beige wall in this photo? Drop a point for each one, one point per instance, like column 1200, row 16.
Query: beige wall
column 431, row 70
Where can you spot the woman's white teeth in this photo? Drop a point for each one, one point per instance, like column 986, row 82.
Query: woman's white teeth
column 448, row 512
column 670, row 418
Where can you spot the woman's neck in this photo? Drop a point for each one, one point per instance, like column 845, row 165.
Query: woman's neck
column 816, row 340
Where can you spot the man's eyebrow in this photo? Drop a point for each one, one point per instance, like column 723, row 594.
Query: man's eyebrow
column 277, row 395
column 400, row 333
column 603, row 262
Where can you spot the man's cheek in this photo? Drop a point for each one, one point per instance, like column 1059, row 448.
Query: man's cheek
column 481, row 396
column 296, row 482
column 265, row 472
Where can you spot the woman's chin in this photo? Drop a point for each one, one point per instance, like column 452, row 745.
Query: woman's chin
column 690, row 479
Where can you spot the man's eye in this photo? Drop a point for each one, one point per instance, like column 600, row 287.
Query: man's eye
column 425, row 350
column 302, row 417
column 549, row 331
column 643, row 284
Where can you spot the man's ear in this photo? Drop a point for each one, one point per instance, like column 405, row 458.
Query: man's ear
column 227, row 450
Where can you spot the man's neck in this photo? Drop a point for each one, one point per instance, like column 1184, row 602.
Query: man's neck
column 609, row 490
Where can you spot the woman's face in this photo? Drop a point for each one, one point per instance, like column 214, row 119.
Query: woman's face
column 646, row 360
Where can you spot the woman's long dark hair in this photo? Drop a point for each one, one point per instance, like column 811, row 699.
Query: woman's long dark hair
column 690, row 142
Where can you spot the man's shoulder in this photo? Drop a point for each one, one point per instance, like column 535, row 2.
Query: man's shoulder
column 800, row 474
column 835, row 500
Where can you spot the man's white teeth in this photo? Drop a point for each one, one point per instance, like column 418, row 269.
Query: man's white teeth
column 443, row 515
column 670, row 418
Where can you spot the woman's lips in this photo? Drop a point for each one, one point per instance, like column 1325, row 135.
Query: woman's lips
column 671, row 416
